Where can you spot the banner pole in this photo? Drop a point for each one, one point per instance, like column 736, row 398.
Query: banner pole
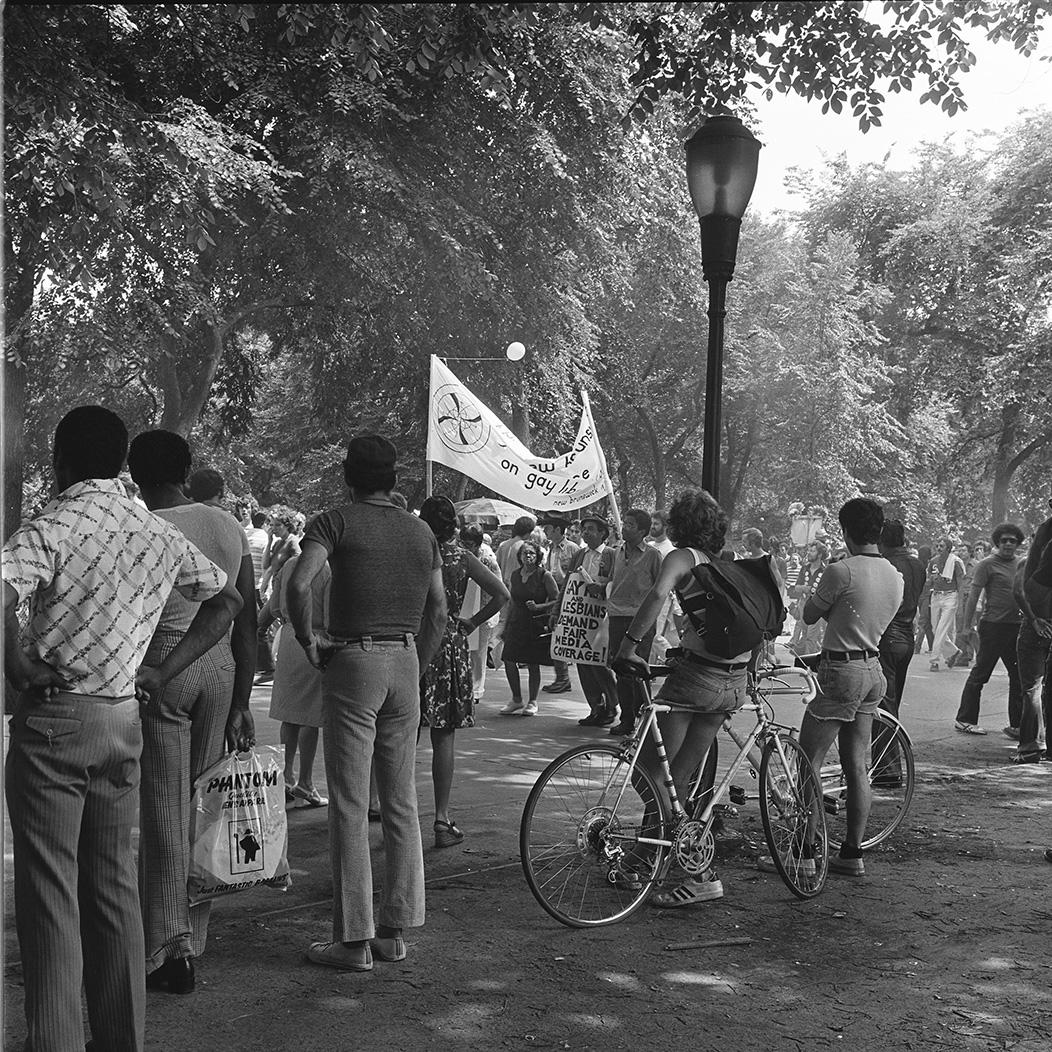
column 614, row 512
column 427, row 449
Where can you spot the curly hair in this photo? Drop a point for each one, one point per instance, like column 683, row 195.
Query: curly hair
column 471, row 536
column 206, row 484
column 159, row 458
column 536, row 548
column 862, row 520
column 282, row 515
column 93, row 442
column 893, row 534
column 695, row 520
column 441, row 516
column 1007, row 529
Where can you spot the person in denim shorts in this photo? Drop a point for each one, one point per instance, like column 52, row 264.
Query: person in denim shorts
column 858, row 597
column 713, row 686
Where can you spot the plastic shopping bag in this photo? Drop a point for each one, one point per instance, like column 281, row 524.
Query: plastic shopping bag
column 238, row 829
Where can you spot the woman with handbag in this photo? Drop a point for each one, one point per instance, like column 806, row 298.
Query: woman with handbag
column 527, row 638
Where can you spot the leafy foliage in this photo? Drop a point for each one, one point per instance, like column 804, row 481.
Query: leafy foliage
column 253, row 223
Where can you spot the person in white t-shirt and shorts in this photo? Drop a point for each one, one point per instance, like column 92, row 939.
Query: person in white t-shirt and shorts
column 858, row 596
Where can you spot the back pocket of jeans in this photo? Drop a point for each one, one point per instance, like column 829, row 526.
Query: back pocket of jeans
column 53, row 726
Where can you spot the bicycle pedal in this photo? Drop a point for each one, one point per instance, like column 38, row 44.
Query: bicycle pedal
column 725, row 811
column 831, row 804
column 737, row 794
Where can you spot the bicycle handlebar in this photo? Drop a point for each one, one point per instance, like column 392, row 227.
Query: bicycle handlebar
column 780, row 672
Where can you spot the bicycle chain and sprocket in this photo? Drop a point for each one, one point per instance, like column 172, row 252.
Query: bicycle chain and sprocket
column 694, row 849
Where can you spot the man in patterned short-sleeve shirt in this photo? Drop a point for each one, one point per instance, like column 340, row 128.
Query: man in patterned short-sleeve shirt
column 96, row 569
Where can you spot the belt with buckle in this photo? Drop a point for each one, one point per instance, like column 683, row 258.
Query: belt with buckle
column 697, row 659
column 401, row 637
column 849, row 655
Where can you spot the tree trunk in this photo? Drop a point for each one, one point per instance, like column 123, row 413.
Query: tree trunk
column 520, row 413
column 187, row 375
column 1002, row 466
column 14, row 443
column 1005, row 466
column 657, row 457
column 18, row 303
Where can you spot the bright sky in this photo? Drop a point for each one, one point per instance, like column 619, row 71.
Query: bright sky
column 795, row 132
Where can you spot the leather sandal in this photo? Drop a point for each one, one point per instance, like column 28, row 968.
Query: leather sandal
column 447, row 834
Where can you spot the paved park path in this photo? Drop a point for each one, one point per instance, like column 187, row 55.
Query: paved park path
column 944, row 944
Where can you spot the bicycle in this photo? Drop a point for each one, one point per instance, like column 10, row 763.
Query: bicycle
column 596, row 836
column 892, row 776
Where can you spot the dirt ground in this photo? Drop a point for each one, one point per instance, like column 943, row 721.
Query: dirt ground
column 943, row 944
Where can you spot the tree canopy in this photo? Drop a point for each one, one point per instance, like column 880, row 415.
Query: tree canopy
column 253, row 223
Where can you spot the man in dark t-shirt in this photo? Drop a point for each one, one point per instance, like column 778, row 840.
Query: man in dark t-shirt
column 387, row 613
column 998, row 629
column 896, row 644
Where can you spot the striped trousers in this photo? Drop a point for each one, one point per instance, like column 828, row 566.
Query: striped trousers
column 183, row 735
column 372, row 710
column 72, row 778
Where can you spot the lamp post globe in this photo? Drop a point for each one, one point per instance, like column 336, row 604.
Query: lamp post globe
column 722, row 161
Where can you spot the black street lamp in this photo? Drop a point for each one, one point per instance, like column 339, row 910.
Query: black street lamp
column 722, row 158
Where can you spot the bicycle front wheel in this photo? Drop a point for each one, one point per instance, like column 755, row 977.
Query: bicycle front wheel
column 586, row 837
column 794, row 819
column 892, row 776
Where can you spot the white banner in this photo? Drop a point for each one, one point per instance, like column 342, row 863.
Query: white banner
column 465, row 435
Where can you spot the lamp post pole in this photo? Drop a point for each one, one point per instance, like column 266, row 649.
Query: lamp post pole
column 722, row 159
column 710, row 450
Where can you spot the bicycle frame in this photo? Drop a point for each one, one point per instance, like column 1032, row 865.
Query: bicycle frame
column 762, row 729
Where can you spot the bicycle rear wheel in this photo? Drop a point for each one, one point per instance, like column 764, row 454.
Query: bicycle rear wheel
column 892, row 776
column 579, row 840
column 794, row 820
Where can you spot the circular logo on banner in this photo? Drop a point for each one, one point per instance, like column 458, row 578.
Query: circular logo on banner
column 461, row 425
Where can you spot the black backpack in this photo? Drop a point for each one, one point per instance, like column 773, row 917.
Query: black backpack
column 741, row 602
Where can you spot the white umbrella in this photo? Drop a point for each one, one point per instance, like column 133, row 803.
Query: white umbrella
column 502, row 511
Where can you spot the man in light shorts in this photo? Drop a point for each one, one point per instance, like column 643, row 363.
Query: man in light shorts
column 858, row 596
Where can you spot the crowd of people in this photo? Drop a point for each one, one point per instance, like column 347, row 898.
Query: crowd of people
column 150, row 618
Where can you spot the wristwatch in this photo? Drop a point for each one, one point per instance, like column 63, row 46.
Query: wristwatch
column 305, row 641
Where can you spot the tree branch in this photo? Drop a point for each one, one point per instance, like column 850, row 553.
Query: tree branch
column 1027, row 452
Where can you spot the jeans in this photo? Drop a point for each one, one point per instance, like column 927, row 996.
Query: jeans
column 847, row 689
column 1032, row 655
column 896, row 653
column 372, row 713
column 967, row 651
column 997, row 641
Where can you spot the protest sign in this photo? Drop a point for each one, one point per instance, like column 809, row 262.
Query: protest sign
column 582, row 634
